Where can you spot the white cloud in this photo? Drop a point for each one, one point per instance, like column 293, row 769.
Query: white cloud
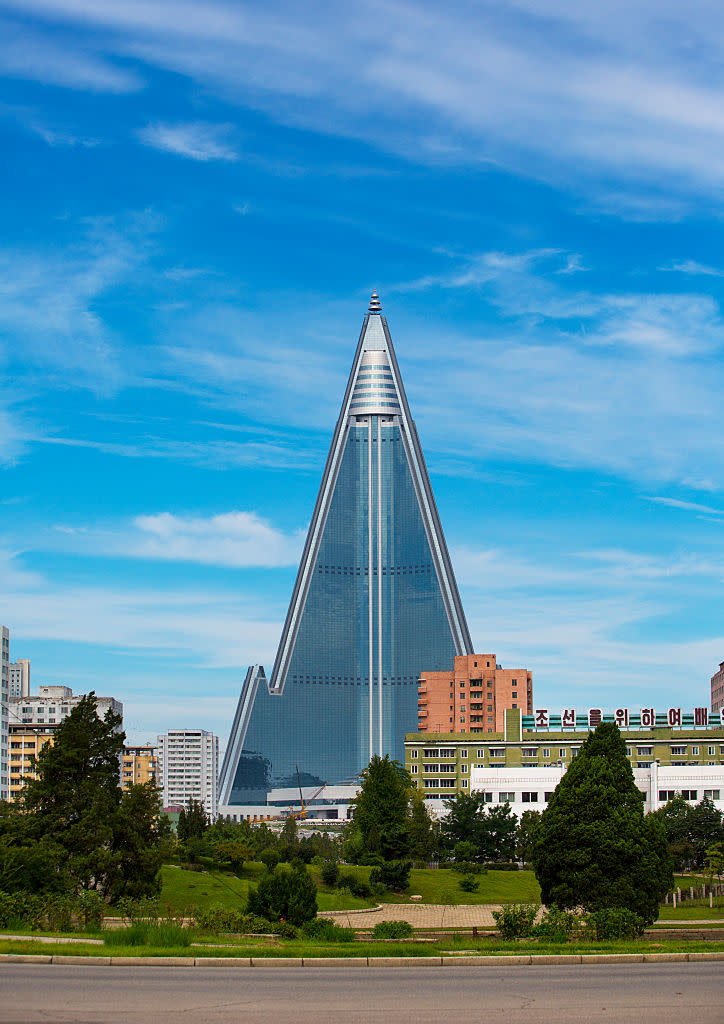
column 196, row 140
column 233, row 539
column 533, row 86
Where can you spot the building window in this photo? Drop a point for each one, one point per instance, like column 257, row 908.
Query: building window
column 546, row 752
column 678, row 751
column 694, row 751
column 712, row 751
column 413, row 752
column 689, row 794
column 463, row 753
column 413, row 769
column 666, row 794
column 711, row 794
column 464, row 784
column 463, row 768
column 547, row 796
column 561, row 751
column 530, row 798
column 506, row 798
column 644, row 751
column 529, row 751
column 629, row 751
column 497, row 751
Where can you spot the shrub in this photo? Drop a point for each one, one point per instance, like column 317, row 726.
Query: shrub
column 164, row 935
column 357, row 886
column 393, row 874
column 270, row 858
column 465, row 851
column 501, row 865
column 469, row 867
column 558, row 925
column 218, row 918
column 617, row 923
column 330, row 873
column 516, row 920
column 469, row 883
column 393, row 930
column 327, row 931
column 285, row 896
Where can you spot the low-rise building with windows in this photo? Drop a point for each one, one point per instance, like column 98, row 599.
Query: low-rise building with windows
column 523, row 764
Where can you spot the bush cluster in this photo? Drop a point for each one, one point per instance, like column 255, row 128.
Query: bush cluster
column 469, row 883
column 392, row 874
column 393, row 930
column 52, row 911
column 559, row 925
column 162, row 935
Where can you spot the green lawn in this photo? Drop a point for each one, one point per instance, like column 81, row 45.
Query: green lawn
column 687, row 912
column 182, row 889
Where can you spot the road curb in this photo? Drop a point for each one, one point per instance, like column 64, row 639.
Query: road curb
column 514, row 960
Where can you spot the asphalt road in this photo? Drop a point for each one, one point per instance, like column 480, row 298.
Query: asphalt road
column 681, row 993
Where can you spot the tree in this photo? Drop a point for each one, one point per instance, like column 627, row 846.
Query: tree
column 193, row 821
column 142, row 841
column 463, row 821
column 491, row 831
column 88, row 833
column 381, row 809
column 76, row 795
column 421, row 830
column 526, row 830
column 593, row 847
column 705, row 828
column 498, row 831
column 285, row 895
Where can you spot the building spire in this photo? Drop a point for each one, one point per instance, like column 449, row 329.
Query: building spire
column 375, row 304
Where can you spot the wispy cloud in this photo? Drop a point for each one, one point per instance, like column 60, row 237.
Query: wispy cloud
column 196, row 140
column 687, row 506
column 694, row 268
column 534, row 87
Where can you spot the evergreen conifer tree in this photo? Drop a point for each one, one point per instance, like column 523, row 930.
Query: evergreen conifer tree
column 593, row 846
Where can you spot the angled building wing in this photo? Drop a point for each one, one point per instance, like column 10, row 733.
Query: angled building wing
column 375, row 601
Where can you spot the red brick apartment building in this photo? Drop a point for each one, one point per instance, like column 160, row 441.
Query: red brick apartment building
column 473, row 696
column 717, row 689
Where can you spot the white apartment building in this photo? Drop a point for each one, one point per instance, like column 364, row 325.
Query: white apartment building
column 4, row 713
column 188, row 768
column 530, row 789
column 20, row 678
column 51, row 705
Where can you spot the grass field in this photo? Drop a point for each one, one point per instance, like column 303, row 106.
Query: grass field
column 182, row 889
column 261, row 947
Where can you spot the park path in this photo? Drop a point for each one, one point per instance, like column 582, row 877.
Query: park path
column 420, row 915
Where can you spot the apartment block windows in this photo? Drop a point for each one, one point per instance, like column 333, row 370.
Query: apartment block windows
column 506, row 798
column 529, row 798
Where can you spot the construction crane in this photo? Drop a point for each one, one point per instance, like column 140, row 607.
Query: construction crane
column 303, row 811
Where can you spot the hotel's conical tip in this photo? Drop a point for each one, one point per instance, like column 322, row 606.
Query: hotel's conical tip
column 375, row 304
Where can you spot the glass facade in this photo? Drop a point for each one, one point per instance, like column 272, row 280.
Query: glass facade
column 373, row 616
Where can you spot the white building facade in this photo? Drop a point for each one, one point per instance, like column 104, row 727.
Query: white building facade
column 530, row 789
column 4, row 713
column 188, row 768
column 51, row 705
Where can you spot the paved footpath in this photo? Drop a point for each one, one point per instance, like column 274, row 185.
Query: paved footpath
column 420, row 915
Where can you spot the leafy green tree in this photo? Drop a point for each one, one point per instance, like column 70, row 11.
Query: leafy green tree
column 491, row 831
column 29, row 862
column 193, row 822
column 381, row 809
column 76, row 796
column 231, row 853
column 463, row 822
column 526, row 830
column 705, row 828
column 593, row 847
column 142, row 841
column 498, row 831
column 421, row 830
column 715, row 861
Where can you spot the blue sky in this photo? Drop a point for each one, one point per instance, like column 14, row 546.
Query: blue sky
column 197, row 200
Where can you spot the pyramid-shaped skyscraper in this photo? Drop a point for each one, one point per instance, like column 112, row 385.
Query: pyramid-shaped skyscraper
column 375, row 602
